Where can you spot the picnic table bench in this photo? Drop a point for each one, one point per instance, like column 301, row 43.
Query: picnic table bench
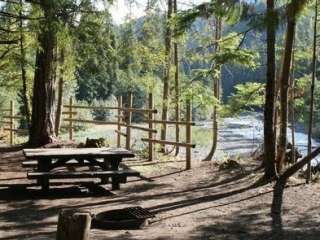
column 107, row 160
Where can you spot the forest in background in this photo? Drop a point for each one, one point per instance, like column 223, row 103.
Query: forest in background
column 97, row 60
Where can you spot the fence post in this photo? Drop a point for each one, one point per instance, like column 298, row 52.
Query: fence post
column 188, row 134
column 70, row 122
column 129, row 118
column 11, row 114
column 151, row 125
column 119, row 121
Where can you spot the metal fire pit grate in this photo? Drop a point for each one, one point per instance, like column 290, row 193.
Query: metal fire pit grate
column 140, row 213
column 126, row 218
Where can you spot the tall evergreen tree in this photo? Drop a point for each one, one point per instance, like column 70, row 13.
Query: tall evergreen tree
column 167, row 70
column 269, row 109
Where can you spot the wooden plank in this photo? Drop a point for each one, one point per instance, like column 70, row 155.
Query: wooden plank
column 151, row 126
column 120, row 133
column 16, row 130
column 73, row 163
column 77, row 152
column 71, row 119
column 142, row 128
column 119, row 118
column 86, row 174
column 188, row 134
column 67, row 127
column 128, row 122
column 73, row 224
column 5, row 122
column 172, row 122
column 13, row 117
column 74, row 113
column 169, row 142
column 91, row 107
column 11, row 126
column 90, row 121
column 115, row 108
column 130, row 109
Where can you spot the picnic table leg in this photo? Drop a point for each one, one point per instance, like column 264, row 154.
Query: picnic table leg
column 115, row 180
column 43, row 166
column 106, row 167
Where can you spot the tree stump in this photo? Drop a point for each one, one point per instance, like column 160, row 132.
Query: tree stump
column 73, row 224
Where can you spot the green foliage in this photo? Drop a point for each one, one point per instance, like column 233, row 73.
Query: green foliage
column 231, row 53
column 231, row 10
column 247, row 97
column 199, row 94
column 96, row 71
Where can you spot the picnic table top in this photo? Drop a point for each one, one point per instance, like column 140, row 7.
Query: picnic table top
column 77, row 152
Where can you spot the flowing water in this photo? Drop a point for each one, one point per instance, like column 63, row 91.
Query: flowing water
column 244, row 134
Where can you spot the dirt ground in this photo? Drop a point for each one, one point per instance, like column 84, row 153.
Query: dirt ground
column 203, row 203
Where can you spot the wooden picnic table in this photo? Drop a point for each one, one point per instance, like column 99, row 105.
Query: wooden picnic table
column 106, row 159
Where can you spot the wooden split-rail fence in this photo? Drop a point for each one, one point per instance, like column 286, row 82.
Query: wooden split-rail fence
column 123, row 123
column 8, row 122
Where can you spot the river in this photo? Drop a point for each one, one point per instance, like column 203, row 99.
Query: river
column 244, row 134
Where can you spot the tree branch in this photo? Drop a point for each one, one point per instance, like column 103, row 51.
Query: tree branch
column 8, row 42
column 10, row 15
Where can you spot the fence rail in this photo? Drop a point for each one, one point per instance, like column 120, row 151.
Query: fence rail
column 123, row 124
column 8, row 124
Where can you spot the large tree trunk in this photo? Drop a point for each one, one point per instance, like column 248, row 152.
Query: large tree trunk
column 177, row 84
column 314, row 59
column 269, row 110
column 166, row 80
column 25, row 97
column 293, row 9
column 42, row 124
column 60, row 92
column 216, row 90
column 285, row 74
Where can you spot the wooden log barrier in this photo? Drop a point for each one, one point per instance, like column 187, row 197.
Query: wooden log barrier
column 151, row 126
column 190, row 145
column 119, row 120
column 73, row 224
column 129, row 118
column 188, row 134
column 11, row 136
column 71, row 117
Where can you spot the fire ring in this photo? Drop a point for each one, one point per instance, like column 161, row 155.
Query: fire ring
column 122, row 219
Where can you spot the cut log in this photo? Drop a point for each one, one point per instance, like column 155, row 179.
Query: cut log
column 73, row 224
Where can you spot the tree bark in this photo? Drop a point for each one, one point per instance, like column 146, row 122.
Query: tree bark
column 314, row 61
column 43, row 114
column 166, row 79
column 177, row 84
column 216, row 90
column 292, row 102
column 25, row 97
column 269, row 110
column 285, row 74
column 60, row 92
